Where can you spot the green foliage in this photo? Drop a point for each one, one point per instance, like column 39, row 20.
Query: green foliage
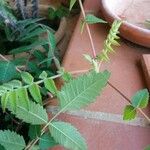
column 35, row 114
column 17, row 96
column 51, row 41
column 110, row 41
column 3, row 2
column 34, row 131
column 11, row 141
column 6, row 15
column 72, row 2
column 14, row 92
column 29, row 47
column 7, row 71
column 147, row 148
column 1, row 147
column 140, row 99
column 39, row 55
column 26, row 77
column 67, row 135
column 52, row 46
column 57, row 13
column 50, row 85
column 93, row 62
column 91, row 19
column 4, row 100
column 82, row 91
column 35, row 93
column 129, row 113
column 23, row 97
column 10, row 96
column 43, row 75
column 66, row 76
column 46, row 141
column 25, row 37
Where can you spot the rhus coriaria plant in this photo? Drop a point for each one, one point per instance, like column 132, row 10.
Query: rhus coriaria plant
column 23, row 97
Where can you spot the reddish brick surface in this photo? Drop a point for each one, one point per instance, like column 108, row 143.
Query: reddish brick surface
column 101, row 135
column 124, row 65
column 146, row 68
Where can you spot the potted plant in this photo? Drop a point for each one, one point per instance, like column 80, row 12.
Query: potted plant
column 21, row 97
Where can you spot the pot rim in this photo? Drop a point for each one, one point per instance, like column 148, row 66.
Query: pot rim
column 141, row 33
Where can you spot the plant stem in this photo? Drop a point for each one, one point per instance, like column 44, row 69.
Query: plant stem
column 41, row 81
column 44, row 128
column 140, row 110
column 88, row 30
column 126, row 98
column 29, row 144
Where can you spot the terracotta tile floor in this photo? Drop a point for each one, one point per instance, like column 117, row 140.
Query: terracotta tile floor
column 101, row 123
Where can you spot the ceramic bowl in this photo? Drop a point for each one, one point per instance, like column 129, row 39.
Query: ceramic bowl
column 134, row 14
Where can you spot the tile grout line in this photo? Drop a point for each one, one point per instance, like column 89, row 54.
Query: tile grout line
column 102, row 116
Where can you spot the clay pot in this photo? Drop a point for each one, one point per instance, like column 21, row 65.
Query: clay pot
column 134, row 13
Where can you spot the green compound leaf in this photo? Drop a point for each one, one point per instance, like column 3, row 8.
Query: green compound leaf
column 67, row 135
column 11, row 140
column 140, row 99
column 82, row 91
column 129, row 113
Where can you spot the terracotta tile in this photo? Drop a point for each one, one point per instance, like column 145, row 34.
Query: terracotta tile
column 124, row 65
column 146, row 68
column 101, row 135
column 111, row 103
